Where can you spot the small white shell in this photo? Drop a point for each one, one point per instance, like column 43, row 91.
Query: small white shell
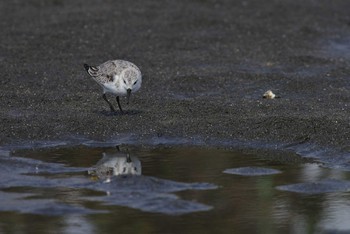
column 269, row 95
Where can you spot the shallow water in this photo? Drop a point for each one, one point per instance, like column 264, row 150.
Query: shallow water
column 167, row 190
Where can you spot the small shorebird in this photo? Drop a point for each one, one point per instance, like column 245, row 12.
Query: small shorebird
column 117, row 77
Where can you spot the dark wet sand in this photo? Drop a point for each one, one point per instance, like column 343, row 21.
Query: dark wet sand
column 206, row 65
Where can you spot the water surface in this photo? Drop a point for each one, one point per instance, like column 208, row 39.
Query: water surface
column 167, row 190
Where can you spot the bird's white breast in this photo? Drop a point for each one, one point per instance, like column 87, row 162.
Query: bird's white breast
column 114, row 87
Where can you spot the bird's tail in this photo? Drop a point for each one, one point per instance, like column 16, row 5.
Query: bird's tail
column 91, row 70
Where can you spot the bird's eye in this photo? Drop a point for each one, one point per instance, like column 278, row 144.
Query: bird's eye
column 135, row 82
column 124, row 81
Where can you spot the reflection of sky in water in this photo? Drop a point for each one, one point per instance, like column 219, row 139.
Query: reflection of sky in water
column 336, row 212
column 333, row 208
column 241, row 202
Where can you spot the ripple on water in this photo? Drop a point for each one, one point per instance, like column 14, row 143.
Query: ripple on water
column 252, row 171
column 322, row 186
column 151, row 194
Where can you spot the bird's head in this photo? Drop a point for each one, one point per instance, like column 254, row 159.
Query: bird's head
column 131, row 82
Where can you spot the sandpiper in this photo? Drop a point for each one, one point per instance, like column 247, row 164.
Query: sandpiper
column 117, row 77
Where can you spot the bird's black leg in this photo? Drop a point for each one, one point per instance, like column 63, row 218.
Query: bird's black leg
column 110, row 104
column 120, row 107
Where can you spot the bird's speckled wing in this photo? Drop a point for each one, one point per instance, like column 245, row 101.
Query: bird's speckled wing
column 114, row 67
column 101, row 75
column 106, row 71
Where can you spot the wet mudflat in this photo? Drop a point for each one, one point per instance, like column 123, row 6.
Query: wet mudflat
column 168, row 189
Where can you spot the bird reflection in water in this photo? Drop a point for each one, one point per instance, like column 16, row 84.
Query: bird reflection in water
column 116, row 164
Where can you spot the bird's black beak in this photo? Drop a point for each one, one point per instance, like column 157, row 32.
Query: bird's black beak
column 128, row 93
column 128, row 158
